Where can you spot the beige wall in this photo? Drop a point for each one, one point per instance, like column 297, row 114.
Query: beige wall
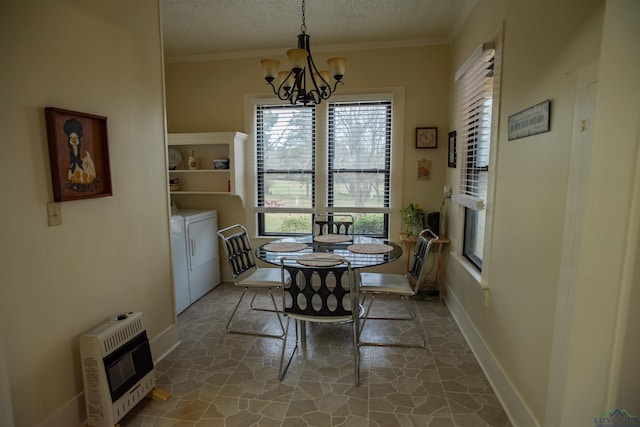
column 546, row 44
column 603, row 370
column 110, row 254
column 208, row 96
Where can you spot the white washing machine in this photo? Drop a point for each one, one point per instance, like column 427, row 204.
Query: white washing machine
column 180, row 263
column 201, row 227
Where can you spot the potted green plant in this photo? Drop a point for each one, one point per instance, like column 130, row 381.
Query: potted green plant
column 414, row 218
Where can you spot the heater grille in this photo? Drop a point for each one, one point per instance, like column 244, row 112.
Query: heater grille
column 123, row 405
column 121, row 336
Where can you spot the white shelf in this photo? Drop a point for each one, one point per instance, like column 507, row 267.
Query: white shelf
column 201, row 192
column 199, row 170
column 207, row 147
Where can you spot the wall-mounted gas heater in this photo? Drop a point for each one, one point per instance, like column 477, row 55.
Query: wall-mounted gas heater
column 117, row 368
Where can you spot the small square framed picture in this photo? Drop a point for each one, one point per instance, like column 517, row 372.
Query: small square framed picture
column 427, row 137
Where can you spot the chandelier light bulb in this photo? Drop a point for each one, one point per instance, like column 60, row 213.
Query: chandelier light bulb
column 270, row 68
column 285, row 80
column 297, row 59
column 322, row 79
column 338, row 67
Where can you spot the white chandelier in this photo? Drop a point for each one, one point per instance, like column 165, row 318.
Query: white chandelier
column 303, row 84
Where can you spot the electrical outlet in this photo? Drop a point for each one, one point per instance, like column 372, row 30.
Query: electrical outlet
column 54, row 213
column 447, row 191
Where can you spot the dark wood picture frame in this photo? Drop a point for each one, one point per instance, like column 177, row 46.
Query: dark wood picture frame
column 78, row 155
column 452, row 149
column 427, row 137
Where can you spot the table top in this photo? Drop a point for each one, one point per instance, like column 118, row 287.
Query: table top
column 345, row 250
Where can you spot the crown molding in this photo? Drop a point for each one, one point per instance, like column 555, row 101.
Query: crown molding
column 321, row 48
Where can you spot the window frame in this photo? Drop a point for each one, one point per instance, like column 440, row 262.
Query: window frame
column 333, row 171
column 261, row 209
column 484, row 202
column 394, row 94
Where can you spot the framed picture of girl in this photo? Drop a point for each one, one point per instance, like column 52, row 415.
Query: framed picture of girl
column 78, row 155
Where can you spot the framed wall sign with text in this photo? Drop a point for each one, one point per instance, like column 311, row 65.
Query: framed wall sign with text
column 530, row 121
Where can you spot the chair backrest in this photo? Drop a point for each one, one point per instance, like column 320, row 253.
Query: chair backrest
column 417, row 271
column 238, row 249
column 320, row 294
column 333, row 224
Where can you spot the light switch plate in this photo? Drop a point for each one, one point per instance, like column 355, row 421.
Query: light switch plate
column 54, row 213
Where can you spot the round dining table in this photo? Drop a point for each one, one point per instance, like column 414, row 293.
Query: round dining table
column 361, row 252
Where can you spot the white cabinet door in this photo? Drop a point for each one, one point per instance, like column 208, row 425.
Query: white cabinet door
column 204, row 266
column 180, row 265
column 202, row 244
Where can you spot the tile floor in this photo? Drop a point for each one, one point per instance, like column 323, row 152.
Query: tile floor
column 221, row 379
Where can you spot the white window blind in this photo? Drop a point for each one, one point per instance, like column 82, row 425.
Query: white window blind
column 285, row 162
column 475, row 80
column 359, row 156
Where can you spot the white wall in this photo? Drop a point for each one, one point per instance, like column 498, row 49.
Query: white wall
column 546, row 43
column 110, row 254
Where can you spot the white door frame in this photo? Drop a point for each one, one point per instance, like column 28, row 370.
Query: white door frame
column 581, row 139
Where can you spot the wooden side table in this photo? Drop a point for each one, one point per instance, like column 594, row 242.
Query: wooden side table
column 440, row 243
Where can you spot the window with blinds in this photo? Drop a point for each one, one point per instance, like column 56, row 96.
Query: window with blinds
column 348, row 171
column 475, row 103
column 285, row 160
column 359, row 162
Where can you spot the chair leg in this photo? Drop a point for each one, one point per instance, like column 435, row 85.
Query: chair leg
column 244, row 291
column 283, row 371
column 270, row 310
column 416, row 322
column 275, row 311
column 366, row 314
column 412, row 317
column 356, row 353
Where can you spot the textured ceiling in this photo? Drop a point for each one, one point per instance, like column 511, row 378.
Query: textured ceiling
column 235, row 28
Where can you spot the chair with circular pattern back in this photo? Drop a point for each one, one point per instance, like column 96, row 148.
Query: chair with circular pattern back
column 319, row 292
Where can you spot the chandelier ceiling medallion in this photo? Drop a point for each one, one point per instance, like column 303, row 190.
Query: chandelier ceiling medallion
column 303, row 84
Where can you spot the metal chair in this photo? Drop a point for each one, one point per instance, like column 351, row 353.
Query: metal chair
column 248, row 275
column 400, row 285
column 320, row 295
column 333, row 223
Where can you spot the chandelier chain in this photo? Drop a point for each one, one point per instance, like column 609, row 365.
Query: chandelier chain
column 303, row 27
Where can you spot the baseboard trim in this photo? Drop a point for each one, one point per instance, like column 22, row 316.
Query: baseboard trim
column 165, row 342
column 516, row 409
column 73, row 413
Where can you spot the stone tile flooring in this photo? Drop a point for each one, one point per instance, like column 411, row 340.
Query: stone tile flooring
column 220, row 379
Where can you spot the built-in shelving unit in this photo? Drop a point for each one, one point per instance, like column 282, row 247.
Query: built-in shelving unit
column 207, row 147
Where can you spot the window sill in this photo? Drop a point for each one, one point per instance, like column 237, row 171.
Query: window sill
column 474, row 275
